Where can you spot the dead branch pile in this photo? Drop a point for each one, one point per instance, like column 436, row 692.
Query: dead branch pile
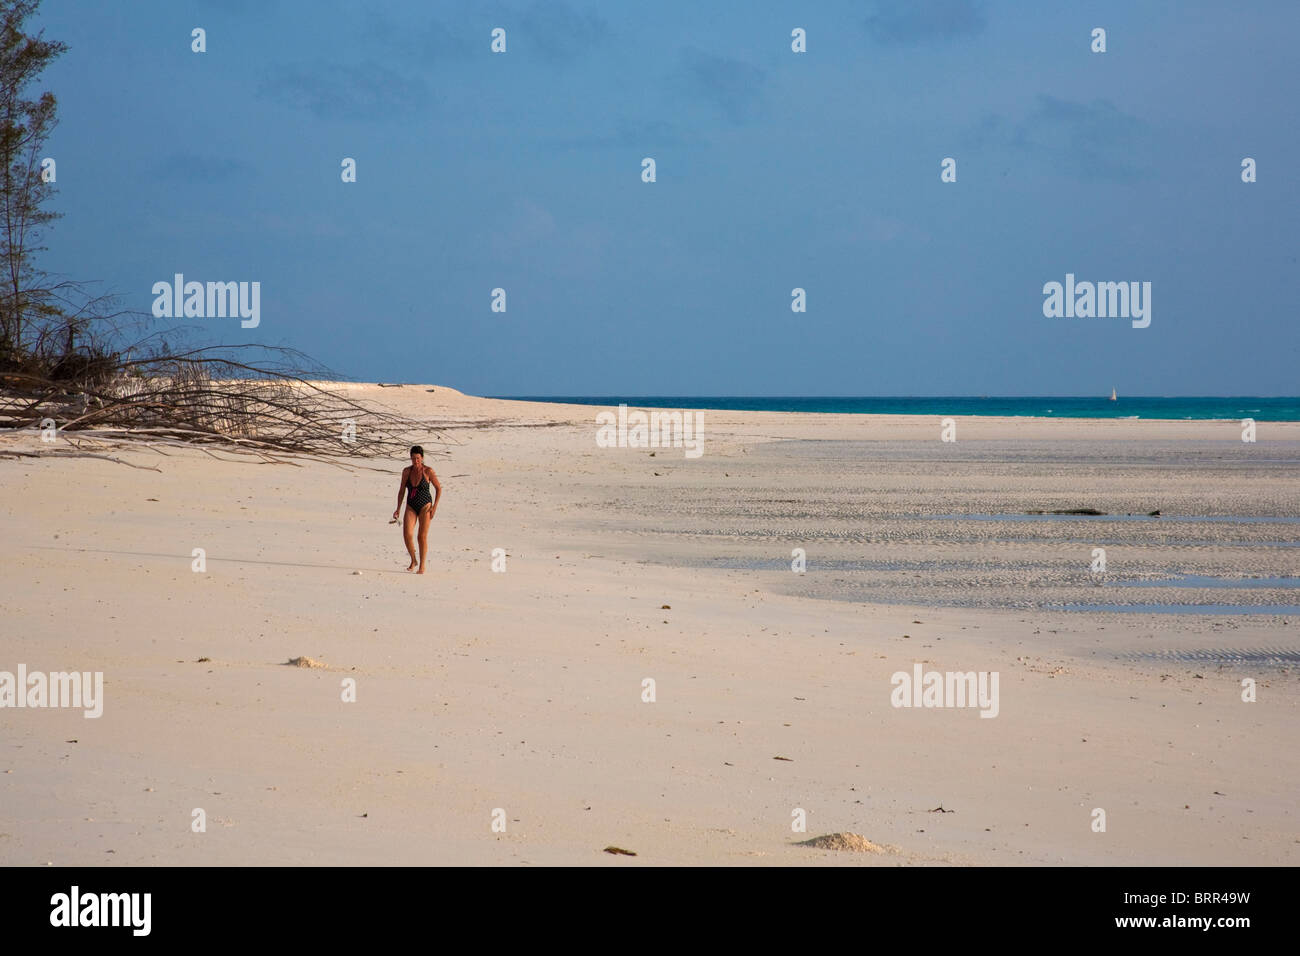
column 209, row 396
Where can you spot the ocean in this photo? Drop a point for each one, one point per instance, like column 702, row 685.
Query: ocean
column 1143, row 407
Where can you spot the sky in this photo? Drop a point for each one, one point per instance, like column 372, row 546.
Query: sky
column 774, row 170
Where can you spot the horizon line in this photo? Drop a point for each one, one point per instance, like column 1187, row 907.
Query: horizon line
column 981, row 397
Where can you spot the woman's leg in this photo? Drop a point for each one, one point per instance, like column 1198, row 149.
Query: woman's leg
column 408, row 534
column 425, row 516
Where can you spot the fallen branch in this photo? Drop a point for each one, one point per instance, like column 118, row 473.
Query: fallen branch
column 205, row 396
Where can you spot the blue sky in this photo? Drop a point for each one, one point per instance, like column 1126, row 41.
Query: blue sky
column 775, row 170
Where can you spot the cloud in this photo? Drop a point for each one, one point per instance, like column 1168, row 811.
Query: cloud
column 424, row 44
column 193, row 168
column 633, row 134
column 991, row 129
column 553, row 29
column 302, row 225
column 336, row 91
column 734, row 88
column 238, row 6
column 531, row 232
column 907, row 22
column 888, row 228
column 1094, row 140
column 560, row 32
column 529, row 223
column 867, row 226
column 216, row 225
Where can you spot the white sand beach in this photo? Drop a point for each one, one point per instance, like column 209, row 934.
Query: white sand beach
column 522, row 690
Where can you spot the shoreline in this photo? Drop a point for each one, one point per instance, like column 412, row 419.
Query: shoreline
column 699, row 403
column 641, row 403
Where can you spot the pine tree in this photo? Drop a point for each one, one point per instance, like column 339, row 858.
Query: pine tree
column 26, row 303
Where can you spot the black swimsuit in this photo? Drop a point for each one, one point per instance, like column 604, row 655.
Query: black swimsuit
column 418, row 496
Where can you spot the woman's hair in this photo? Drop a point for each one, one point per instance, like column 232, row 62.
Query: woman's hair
column 417, row 450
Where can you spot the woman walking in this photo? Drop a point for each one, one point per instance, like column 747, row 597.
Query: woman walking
column 420, row 505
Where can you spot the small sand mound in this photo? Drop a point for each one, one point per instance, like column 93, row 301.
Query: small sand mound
column 846, row 841
column 303, row 662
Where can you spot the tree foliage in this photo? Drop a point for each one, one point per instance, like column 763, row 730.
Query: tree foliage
column 39, row 315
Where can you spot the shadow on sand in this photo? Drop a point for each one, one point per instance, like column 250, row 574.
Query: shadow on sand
column 186, row 557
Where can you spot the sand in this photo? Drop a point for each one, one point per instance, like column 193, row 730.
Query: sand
column 505, row 718
column 848, row 842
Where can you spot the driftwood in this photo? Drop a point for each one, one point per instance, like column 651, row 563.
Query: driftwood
column 205, row 396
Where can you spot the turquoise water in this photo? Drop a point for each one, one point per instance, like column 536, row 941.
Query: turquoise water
column 1260, row 409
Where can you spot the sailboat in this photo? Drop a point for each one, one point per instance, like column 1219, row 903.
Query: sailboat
column 1113, row 396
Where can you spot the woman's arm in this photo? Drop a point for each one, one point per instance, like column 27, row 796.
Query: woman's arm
column 401, row 492
column 437, row 489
